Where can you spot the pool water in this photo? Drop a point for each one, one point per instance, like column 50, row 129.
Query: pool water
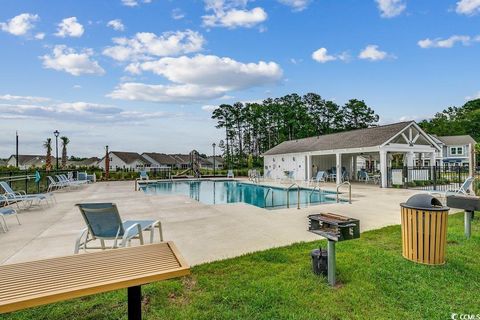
column 231, row 191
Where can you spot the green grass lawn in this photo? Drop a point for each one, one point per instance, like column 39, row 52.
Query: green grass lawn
column 375, row 282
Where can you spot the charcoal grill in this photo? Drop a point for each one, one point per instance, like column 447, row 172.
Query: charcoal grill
column 468, row 203
column 335, row 228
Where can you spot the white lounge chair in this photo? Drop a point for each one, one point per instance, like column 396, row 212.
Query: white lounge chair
column 230, row 174
column 321, row 176
column 144, row 175
column 465, row 189
column 22, row 197
column 6, row 210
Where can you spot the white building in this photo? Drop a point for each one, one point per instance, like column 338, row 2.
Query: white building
column 454, row 151
column 29, row 161
column 125, row 161
column 338, row 152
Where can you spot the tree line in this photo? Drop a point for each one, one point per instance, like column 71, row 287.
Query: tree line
column 254, row 127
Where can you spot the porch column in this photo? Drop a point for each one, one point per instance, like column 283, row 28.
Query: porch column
column 433, row 159
column 339, row 168
column 472, row 161
column 353, row 173
column 308, row 163
column 410, row 159
column 383, row 168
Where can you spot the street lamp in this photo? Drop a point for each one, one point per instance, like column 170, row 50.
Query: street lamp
column 107, row 163
column 56, row 133
column 214, row 145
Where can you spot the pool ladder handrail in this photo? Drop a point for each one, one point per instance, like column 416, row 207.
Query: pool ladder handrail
column 313, row 190
column 266, row 195
column 298, row 195
column 349, row 191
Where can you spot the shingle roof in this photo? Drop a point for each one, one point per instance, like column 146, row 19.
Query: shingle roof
column 130, row 157
column 360, row 138
column 457, row 140
column 162, row 158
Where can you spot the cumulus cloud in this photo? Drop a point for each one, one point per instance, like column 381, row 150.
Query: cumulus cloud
column 68, row 60
column 232, row 14
column 30, row 99
column 473, row 97
column 40, row 36
column 296, row 5
column 372, row 53
column 134, row 3
column 321, row 55
column 116, row 25
column 209, row 107
column 197, row 78
column 146, row 44
column 76, row 112
column 69, row 27
column 390, row 8
column 448, row 42
column 468, row 7
column 20, row 25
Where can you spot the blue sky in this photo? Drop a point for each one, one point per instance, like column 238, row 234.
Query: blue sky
column 143, row 75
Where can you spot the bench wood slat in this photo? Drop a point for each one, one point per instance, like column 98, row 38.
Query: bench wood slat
column 40, row 282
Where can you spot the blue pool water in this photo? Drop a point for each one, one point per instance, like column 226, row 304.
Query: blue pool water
column 231, row 191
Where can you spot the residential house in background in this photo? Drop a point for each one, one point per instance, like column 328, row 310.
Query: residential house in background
column 454, row 151
column 160, row 160
column 208, row 163
column 90, row 162
column 125, row 161
column 28, row 161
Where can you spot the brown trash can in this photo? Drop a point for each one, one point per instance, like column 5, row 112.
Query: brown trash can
column 424, row 229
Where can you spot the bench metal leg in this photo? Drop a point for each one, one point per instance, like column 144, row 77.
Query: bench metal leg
column 135, row 303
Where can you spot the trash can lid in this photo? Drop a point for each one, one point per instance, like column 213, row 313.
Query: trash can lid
column 424, row 201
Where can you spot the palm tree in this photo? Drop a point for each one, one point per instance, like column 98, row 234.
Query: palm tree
column 65, row 142
column 48, row 146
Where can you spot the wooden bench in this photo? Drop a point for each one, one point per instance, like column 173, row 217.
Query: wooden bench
column 35, row 283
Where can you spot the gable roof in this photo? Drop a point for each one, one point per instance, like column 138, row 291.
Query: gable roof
column 129, row 157
column 360, row 138
column 161, row 158
column 457, row 140
column 25, row 159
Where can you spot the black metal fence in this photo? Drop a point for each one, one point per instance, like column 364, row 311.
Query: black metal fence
column 430, row 177
column 25, row 180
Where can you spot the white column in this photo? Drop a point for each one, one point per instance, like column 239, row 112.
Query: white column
column 472, row 161
column 339, row 168
column 410, row 159
column 308, row 163
column 433, row 159
column 383, row 168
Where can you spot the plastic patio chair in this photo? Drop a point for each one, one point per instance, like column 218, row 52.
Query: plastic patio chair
column 104, row 223
column 143, row 175
column 5, row 210
column 230, row 174
column 22, row 197
column 320, row 177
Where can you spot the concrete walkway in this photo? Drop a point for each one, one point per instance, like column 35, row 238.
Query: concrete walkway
column 202, row 232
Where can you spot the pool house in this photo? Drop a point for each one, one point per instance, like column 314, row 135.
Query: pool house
column 353, row 153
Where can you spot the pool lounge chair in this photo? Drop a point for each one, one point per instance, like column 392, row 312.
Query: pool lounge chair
column 55, row 185
column 22, row 197
column 230, row 174
column 6, row 210
column 104, row 223
column 321, row 176
column 144, row 175
column 69, row 179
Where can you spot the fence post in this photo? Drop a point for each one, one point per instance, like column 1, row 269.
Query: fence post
column 405, row 177
column 459, row 177
column 26, row 180
column 434, row 177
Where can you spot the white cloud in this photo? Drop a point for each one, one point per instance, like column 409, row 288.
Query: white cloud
column 145, row 44
column 390, row 8
column 209, row 107
column 116, row 25
column 134, row 3
column 40, row 36
column 177, row 14
column 29, row 99
column 232, row 14
column 68, row 60
column 372, row 53
column 69, row 27
column 322, row 56
column 297, row 5
column 197, row 78
column 475, row 96
column 19, row 25
column 77, row 86
column 448, row 42
column 76, row 112
column 468, row 7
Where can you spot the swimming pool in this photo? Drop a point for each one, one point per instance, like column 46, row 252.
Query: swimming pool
column 231, row 191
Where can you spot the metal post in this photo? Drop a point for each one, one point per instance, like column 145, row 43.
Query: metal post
column 213, row 145
column 298, row 197
column 26, row 180
column 56, row 133
column 16, row 150
column 331, row 263
column 468, row 223
column 135, row 303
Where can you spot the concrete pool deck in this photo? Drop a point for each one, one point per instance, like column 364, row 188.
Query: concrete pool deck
column 202, row 232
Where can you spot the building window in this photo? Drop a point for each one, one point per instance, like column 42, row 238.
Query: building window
column 456, row 150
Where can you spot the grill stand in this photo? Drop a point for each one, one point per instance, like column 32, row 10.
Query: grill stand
column 134, row 303
column 331, row 263
column 468, row 223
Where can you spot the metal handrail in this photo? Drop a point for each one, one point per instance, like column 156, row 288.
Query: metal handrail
column 298, row 195
column 313, row 190
column 17, row 178
column 266, row 195
column 349, row 191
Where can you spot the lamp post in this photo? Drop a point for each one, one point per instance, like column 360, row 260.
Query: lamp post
column 214, row 145
column 107, row 163
column 56, row 133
